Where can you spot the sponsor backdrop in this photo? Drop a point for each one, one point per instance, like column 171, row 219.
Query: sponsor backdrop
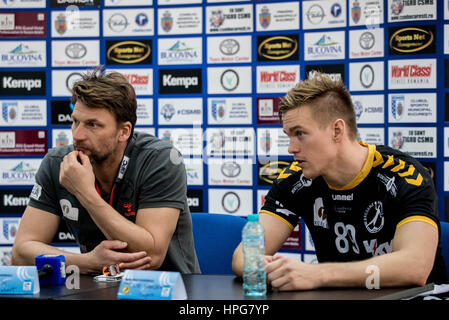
column 208, row 76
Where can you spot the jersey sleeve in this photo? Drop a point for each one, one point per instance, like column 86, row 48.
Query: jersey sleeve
column 43, row 196
column 417, row 199
column 277, row 202
column 163, row 180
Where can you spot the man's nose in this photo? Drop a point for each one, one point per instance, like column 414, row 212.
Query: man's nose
column 78, row 133
column 293, row 146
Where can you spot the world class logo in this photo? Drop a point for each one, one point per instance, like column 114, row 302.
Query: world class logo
column 283, row 47
column 410, row 40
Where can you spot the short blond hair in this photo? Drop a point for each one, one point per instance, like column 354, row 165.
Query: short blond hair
column 329, row 100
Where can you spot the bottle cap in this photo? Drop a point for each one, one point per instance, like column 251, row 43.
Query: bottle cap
column 253, row 217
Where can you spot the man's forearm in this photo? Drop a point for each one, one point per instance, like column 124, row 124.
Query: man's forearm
column 386, row 270
column 116, row 227
column 26, row 254
column 237, row 261
column 410, row 262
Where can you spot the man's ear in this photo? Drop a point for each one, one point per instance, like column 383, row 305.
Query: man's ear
column 125, row 131
column 338, row 130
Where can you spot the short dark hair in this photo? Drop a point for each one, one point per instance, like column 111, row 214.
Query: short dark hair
column 329, row 100
column 108, row 90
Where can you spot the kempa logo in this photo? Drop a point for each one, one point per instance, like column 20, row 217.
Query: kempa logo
column 169, row 81
column 29, row 84
column 10, row 201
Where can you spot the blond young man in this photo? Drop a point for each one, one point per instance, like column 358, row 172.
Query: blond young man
column 368, row 208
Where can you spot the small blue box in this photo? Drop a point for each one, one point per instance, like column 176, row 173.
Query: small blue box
column 19, row 280
column 57, row 262
column 152, row 285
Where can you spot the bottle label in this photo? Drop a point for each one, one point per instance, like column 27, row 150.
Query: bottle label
column 254, row 241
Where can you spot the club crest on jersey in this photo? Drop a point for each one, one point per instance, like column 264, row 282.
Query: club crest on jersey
column 373, row 217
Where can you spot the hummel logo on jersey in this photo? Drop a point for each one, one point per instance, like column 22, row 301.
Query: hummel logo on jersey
column 343, row 197
column 129, row 212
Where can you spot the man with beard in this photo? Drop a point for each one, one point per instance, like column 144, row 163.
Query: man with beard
column 121, row 193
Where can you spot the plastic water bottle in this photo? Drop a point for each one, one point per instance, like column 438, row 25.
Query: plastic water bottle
column 254, row 274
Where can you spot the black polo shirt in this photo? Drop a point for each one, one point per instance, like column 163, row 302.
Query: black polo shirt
column 151, row 175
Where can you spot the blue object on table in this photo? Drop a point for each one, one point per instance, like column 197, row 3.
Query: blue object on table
column 151, row 285
column 19, row 280
column 51, row 269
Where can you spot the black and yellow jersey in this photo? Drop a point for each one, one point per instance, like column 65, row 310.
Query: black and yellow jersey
column 358, row 221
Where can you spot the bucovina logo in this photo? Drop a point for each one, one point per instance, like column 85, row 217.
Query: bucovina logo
column 23, row 171
column 278, row 48
column 22, row 54
column 411, row 40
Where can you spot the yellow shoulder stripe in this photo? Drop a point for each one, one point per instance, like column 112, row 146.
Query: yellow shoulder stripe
column 409, row 172
column 294, row 166
column 279, row 217
column 417, row 218
column 416, row 182
column 389, row 162
column 400, row 166
column 378, row 159
column 283, row 175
